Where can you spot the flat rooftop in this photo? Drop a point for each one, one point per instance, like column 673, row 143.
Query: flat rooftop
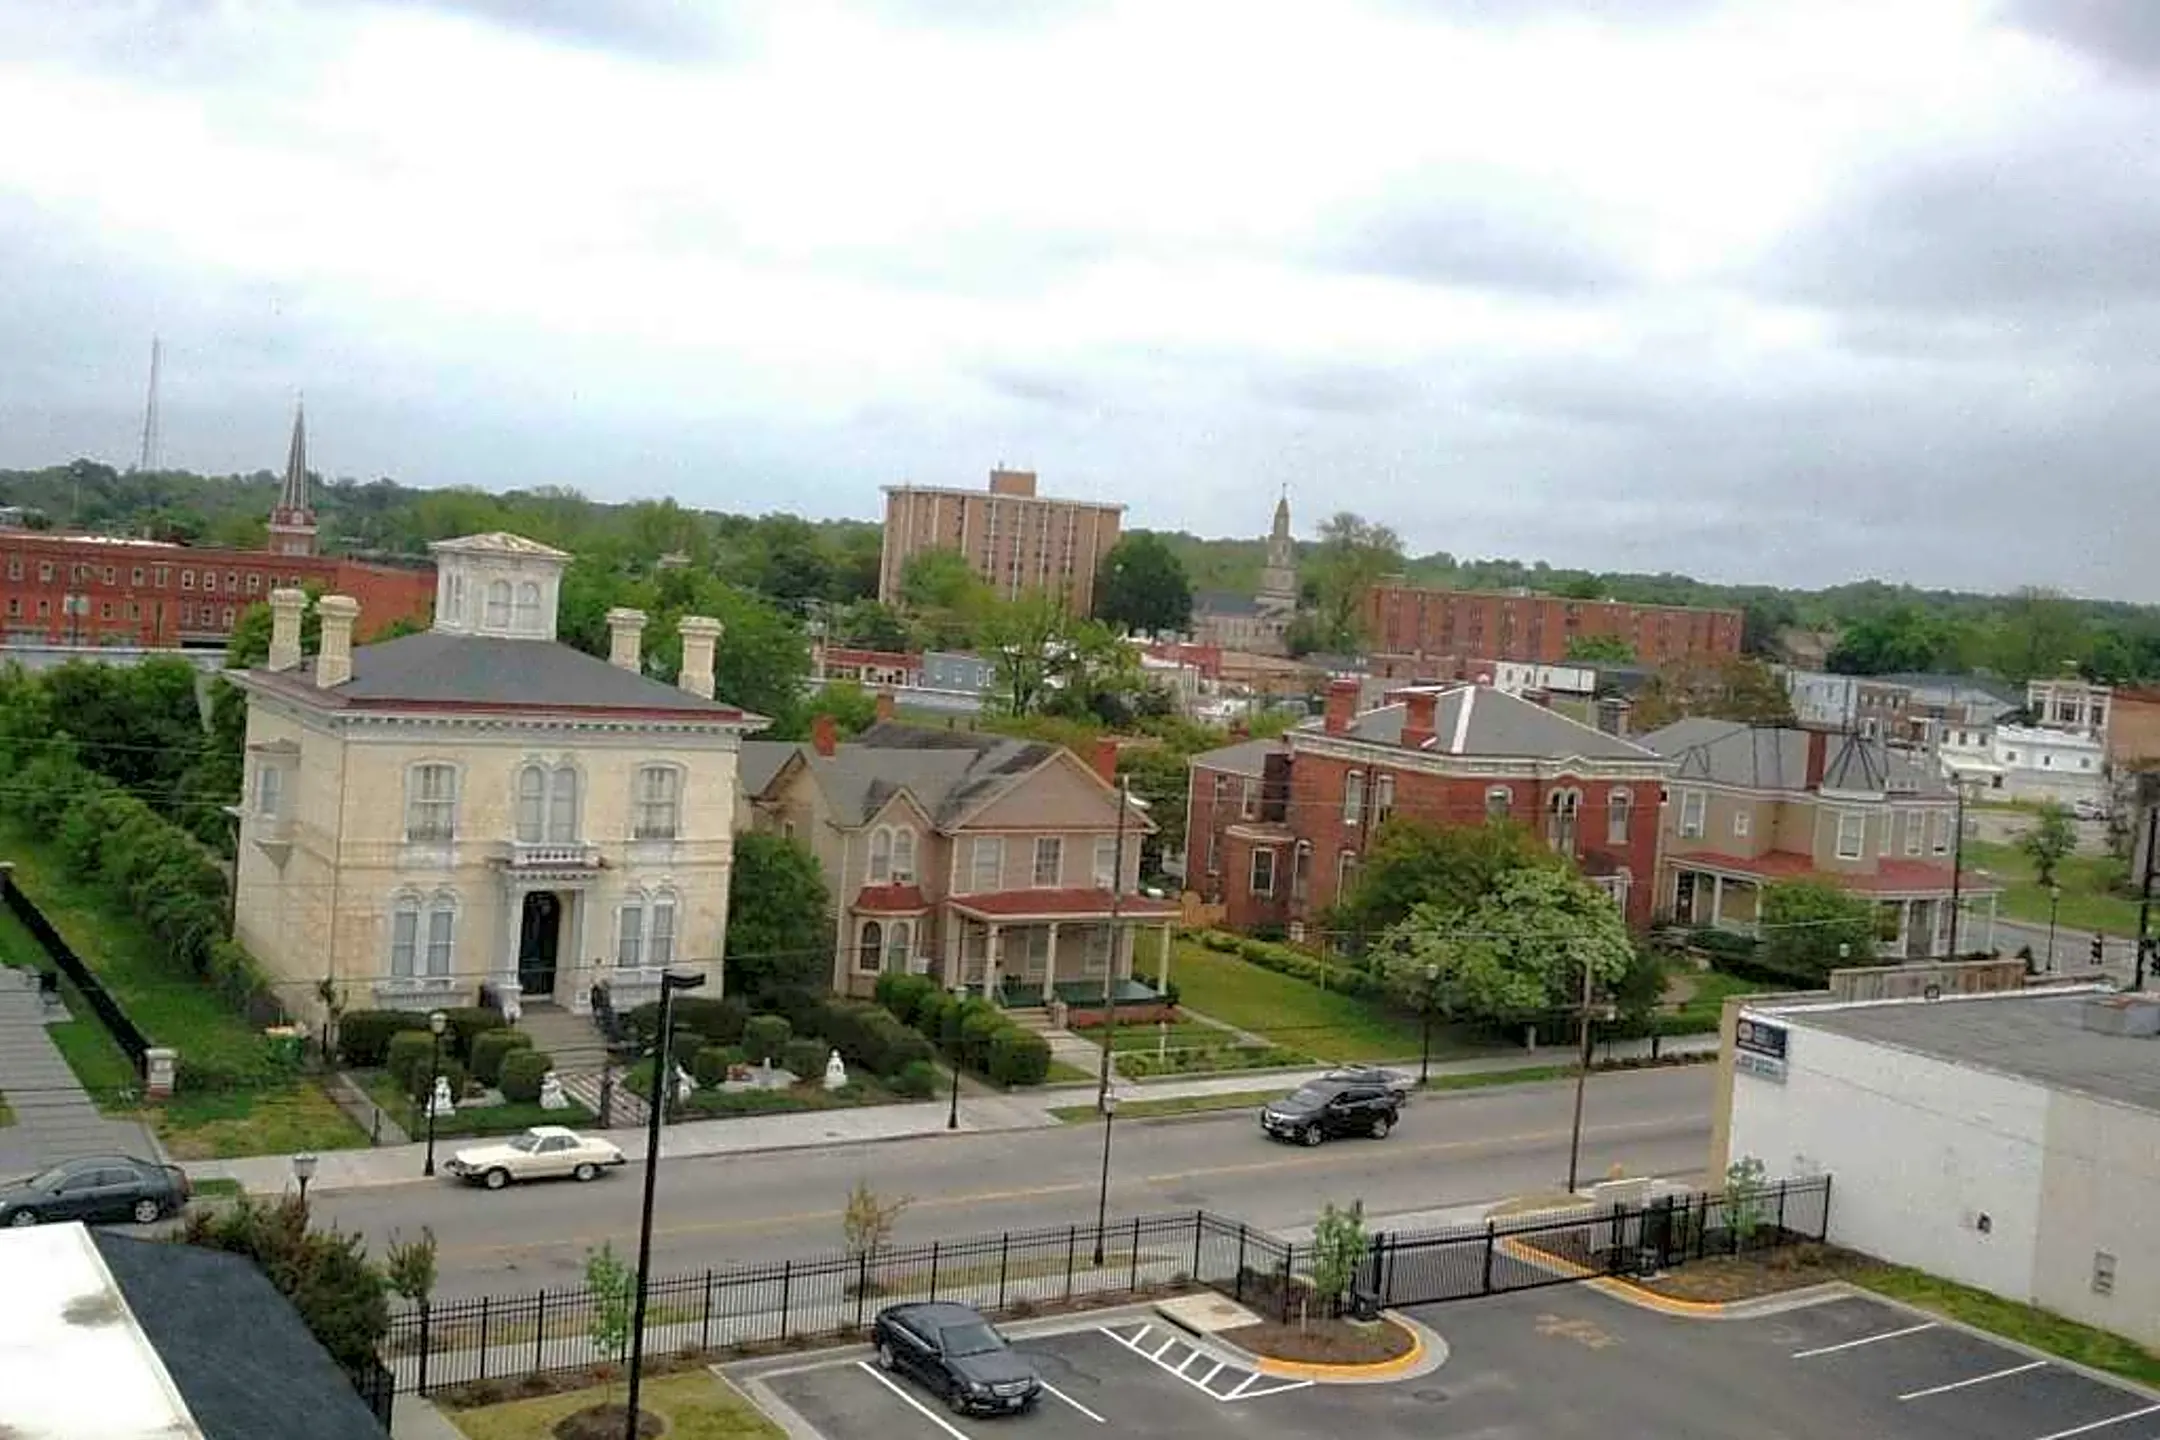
column 2037, row 1036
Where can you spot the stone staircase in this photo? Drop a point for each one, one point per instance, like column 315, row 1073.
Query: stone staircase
column 1031, row 1017
column 580, row 1054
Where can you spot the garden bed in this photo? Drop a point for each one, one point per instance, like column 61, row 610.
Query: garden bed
column 693, row 1404
column 1325, row 1342
column 802, row 1096
column 509, row 1118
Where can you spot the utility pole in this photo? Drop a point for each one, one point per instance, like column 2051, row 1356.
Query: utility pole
column 1117, row 896
column 1957, row 865
column 1582, row 1079
column 2151, row 791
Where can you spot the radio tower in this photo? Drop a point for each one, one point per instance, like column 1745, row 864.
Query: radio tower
column 148, row 460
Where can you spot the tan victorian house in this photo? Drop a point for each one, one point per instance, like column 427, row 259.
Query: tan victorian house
column 1749, row 806
column 480, row 804
column 981, row 859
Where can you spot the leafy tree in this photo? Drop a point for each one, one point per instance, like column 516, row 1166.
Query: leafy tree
column 2049, row 841
column 1411, row 862
column 1640, row 993
column 326, row 1275
column 1610, row 649
column 1141, row 585
column 1903, row 637
column 409, row 1267
column 779, row 916
column 1339, row 1250
column 2040, row 634
column 869, row 625
column 1805, row 921
column 1746, row 1181
column 941, row 579
column 1159, row 775
column 852, row 707
column 867, row 1221
column 1519, row 954
column 611, row 1287
column 1744, row 689
column 1353, row 554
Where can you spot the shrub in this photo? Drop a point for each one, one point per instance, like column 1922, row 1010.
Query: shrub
column 765, row 1035
column 804, row 1058
column 419, row 1084
column 915, row 1080
column 408, row 1053
column 980, row 1023
column 710, row 1065
column 900, row 993
column 928, row 1017
column 364, row 1035
column 467, row 1022
column 327, row 1276
column 719, row 1021
column 522, row 1071
column 1286, row 960
column 900, row 1047
column 1019, row 1057
column 489, row 1049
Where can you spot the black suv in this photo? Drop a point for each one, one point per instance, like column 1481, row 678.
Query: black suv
column 958, row 1354
column 1344, row 1102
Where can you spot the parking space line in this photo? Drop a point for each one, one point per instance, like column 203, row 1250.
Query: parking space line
column 1863, row 1340
column 1187, row 1365
column 2102, row 1424
column 1975, row 1380
column 911, row 1402
column 1163, row 1350
column 1074, row 1403
column 1204, row 1379
column 1262, row 1394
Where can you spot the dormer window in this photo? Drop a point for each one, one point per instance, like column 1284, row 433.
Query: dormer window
column 527, row 617
column 498, row 605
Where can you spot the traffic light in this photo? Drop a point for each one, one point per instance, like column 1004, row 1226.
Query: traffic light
column 2099, row 951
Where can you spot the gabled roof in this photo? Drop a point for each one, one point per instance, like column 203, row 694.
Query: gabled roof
column 947, row 772
column 1768, row 757
column 1480, row 720
column 760, row 762
column 1247, row 757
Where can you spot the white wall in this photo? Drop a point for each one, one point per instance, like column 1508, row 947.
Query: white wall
column 2103, row 1170
column 1917, row 1151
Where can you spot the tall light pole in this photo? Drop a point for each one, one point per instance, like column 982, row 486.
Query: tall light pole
column 670, row 982
column 952, row 1051
column 2151, row 796
column 1109, row 984
column 1957, row 867
column 2054, row 900
column 1424, row 1064
column 1582, row 1077
column 437, row 1022
column 1102, row 1196
column 303, row 1169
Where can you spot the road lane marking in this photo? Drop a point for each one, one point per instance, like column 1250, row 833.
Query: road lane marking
column 1430, row 1147
column 2102, row 1424
column 911, row 1402
column 1863, row 1340
column 1975, row 1380
column 1074, row 1403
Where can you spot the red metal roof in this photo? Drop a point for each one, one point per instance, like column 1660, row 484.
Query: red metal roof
column 890, row 900
column 1061, row 904
column 1891, row 877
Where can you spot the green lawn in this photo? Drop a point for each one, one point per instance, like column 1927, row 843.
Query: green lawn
column 2026, row 1324
column 223, row 1125
column 1184, row 1035
column 2085, row 879
column 99, row 1063
column 1707, row 992
column 697, row 1406
column 1303, row 1017
column 506, row 1119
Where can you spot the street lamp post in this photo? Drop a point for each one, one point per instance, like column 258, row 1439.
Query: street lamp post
column 1102, row 1195
column 437, row 1022
column 1424, row 1064
column 952, row 1051
column 2054, row 901
column 670, row 982
column 1582, row 1079
column 303, row 1169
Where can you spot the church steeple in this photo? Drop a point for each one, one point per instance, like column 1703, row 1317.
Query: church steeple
column 1278, row 578
column 292, row 519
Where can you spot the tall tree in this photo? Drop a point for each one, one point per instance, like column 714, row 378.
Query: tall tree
column 1454, row 867
column 1810, row 927
column 779, row 916
column 945, row 597
column 1519, row 955
column 2049, row 842
column 1354, row 553
column 1142, row 586
column 1743, row 689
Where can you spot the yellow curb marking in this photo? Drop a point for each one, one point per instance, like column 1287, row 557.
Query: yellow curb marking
column 1378, row 1370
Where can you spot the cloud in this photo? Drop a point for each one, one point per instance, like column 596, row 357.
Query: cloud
column 664, row 30
column 2123, row 35
column 1476, row 231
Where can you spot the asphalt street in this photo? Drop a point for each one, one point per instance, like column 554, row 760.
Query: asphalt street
column 1452, row 1149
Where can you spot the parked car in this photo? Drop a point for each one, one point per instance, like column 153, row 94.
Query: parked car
column 1391, row 1080
column 2089, row 810
column 96, row 1187
column 541, row 1153
column 954, row 1351
column 1325, row 1108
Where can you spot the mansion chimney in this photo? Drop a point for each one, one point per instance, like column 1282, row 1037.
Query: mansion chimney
column 286, row 607
column 1106, row 759
column 626, row 635
column 1417, row 725
column 333, row 662
column 1342, row 698
column 1818, row 758
column 700, row 640
column 824, row 735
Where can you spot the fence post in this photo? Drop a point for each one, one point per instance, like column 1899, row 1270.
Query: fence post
column 1004, row 1255
column 933, row 1269
column 1702, row 1227
column 705, row 1324
column 1824, row 1233
column 787, row 1286
column 1072, row 1240
column 1289, row 1254
column 539, row 1330
column 862, row 1285
column 427, row 1310
column 1781, row 1210
column 483, row 1336
column 1134, row 1282
column 1492, row 1240
column 1619, row 1234
column 1237, row 1285
column 1197, row 1231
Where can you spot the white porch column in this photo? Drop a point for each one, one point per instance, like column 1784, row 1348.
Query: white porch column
column 1162, row 962
column 1988, row 943
column 505, row 979
column 991, row 957
column 1049, row 981
column 1717, row 899
column 954, row 925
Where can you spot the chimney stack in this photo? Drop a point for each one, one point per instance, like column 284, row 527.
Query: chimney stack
column 1342, row 697
column 700, row 639
column 333, row 662
column 626, row 637
column 824, row 735
column 884, row 706
column 286, row 607
column 1417, row 725
column 1818, row 758
column 1106, row 759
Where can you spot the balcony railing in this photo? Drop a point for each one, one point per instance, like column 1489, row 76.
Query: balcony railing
column 552, row 855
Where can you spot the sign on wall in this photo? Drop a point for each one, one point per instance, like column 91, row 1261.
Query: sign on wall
column 1761, row 1048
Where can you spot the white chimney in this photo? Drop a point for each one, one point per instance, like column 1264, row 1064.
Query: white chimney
column 626, row 633
column 333, row 662
column 700, row 639
column 286, row 607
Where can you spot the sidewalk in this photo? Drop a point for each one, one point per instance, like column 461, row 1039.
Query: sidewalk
column 54, row 1118
column 979, row 1114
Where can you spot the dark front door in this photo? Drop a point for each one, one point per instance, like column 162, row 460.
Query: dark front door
column 539, row 935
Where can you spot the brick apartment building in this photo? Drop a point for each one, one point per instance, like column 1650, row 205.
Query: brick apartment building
column 97, row 590
column 1276, row 829
column 1538, row 628
column 1015, row 539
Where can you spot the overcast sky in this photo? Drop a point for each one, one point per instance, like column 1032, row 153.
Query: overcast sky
column 1795, row 292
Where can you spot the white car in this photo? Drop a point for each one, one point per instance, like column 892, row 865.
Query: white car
column 543, row 1152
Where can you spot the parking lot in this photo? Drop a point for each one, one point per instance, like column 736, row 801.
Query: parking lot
column 1551, row 1364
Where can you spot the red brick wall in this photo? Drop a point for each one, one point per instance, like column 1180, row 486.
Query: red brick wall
column 1537, row 628
column 1204, row 817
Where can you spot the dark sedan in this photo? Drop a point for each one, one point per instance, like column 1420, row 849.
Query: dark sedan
column 958, row 1354
column 96, row 1187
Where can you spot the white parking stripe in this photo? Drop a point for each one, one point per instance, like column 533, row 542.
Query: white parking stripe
column 1276, row 1389
column 911, row 1402
column 1863, row 1340
column 1180, row 1371
column 1163, row 1350
column 1243, row 1381
column 1975, row 1380
column 2102, row 1424
column 1074, row 1403
column 1211, row 1374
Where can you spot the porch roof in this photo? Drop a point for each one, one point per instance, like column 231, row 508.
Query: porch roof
column 890, row 900
column 1891, row 877
column 1067, row 904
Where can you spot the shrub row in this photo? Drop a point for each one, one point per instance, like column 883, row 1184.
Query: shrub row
column 1198, row 1060
column 984, row 1038
column 1284, row 960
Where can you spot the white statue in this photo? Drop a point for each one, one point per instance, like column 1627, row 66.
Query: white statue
column 511, row 1010
column 440, row 1104
column 685, row 1087
column 835, row 1072
column 551, row 1093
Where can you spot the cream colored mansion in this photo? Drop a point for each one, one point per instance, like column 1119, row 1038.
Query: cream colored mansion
column 482, row 804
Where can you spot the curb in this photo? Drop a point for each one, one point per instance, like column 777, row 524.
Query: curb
column 1427, row 1353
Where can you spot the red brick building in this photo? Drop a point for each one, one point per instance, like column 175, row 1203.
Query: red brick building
column 1538, row 628
column 97, row 590
column 1275, row 829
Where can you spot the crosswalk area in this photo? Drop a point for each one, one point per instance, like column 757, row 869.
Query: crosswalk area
column 1218, row 1379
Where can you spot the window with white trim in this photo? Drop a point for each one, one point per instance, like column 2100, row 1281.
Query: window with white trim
column 658, row 807
column 431, row 801
column 880, row 871
column 903, row 855
column 1915, row 831
column 404, row 936
column 527, row 618
column 660, row 931
column 1851, row 834
column 498, row 605
column 1383, row 798
column 1563, row 809
column 630, row 934
column 1049, row 861
column 986, row 863
column 1095, row 950
column 269, row 790
column 441, row 936
column 1939, row 832
column 1346, row 873
column 870, row 948
column 423, row 935
column 1499, row 800
column 547, row 803
column 645, row 929
column 1105, row 867
column 1353, row 797
column 1743, row 821
column 1301, row 870
column 456, row 603
column 899, row 945
column 1693, row 803
column 1263, row 872
column 1619, row 814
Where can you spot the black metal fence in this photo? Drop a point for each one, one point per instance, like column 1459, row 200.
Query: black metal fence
column 376, row 1387
column 68, row 963
column 774, row 1303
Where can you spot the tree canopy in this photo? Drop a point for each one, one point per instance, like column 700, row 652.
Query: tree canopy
column 779, row 930
column 1743, row 689
column 1141, row 585
column 1453, row 867
column 1804, row 924
column 1519, row 954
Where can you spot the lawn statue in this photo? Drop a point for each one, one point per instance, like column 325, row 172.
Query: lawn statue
column 440, row 1104
column 551, row 1093
column 835, row 1072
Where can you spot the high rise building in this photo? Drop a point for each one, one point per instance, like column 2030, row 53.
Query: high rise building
column 1015, row 539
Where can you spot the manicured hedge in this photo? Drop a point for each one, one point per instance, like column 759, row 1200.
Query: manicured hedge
column 1019, row 1057
column 466, row 1022
column 522, row 1072
column 989, row 1042
column 764, row 1036
column 408, row 1054
column 489, row 1050
column 716, row 1022
column 917, row 1079
column 710, row 1065
column 1284, row 960
column 364, row 1035
column 804, row 1058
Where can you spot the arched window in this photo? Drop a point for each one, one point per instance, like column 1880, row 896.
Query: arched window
column 562, row 821
column 903, row 856
column 1301, row 870
column 405, row 936
column 660, row 937
column 532, row 804
column 1619, row 814
column 1499, row 799
column 441, row 933
column 1562, row 810
column 528, row 609
column 881, row 845
column 498, row 605
column 899, row 940
column 870, row 948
